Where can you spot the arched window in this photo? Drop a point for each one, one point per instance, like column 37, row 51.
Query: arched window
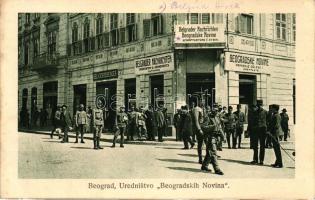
column 99, row 31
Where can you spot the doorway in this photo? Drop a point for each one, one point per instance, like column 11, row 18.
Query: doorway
column 130, row 93
column 157, row 91
column 200, row 89
column 107, row 91
column 247, row 89
column 50, row 94
column 79, row 96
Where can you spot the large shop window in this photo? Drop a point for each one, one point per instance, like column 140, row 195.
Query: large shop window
column 244, row 23
column 200, row 89
column 130, row 93
column 281, row 27
column 247, row 89
column 157, row 91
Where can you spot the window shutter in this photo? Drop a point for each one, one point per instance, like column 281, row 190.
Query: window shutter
column 122, row 35
column 146, row 27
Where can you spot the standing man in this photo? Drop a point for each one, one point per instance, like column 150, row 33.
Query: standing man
column 56, row 121
column 211, row 128
column 176, row 121
column 81, row 121
column 185, row 126
column 230, row 121
column 197, row 116
column 98, row 124
column 121, row 123
column 268, row 136
column 66, row 123
column 159, row 117
column 132, row 123
column 260, row 131
column 275, row 129
column 142, row 129
column 251, row 120
column 285, row 123
column 240, row 119
column 149, row 122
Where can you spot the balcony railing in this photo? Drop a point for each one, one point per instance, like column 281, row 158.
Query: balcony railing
column 46, row 61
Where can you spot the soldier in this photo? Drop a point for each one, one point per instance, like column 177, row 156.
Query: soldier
column 211, row 130
column 66, row 123
column 240, row 119
column 81, row 121
column 197, row 117
column 185, row 126
column 176, row 121
column 132, row 123
column 98, row 124
column 159, row 118
column 56, row 122
column 251, row 120
column 121, row 123
column 142, row 129
column 221, row 113
column 285, row 123
column 275, row 129
column 260, row 131
column 230, row 120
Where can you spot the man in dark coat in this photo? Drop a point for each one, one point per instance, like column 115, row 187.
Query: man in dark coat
column 186, row 127
column 260, row 131
column 275, row 129
column 149, row 122
column 66, row 123
column 230, row 120
column 176, row 121
column 269, row 118
column 159, row 118
column 251, row 120
column 240, row 120
column 285, row 123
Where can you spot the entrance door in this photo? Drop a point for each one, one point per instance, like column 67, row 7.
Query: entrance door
column 50, row 93
column 247, row 89
column 130, row 93
column 200, row 89
column 107, row 91
column 157, row 91
column 79, row 96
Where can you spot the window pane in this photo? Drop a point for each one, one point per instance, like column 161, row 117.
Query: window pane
column 283, row 17
column 277, row 16
column 194, row 18
column 205, row 18
column 278, row 32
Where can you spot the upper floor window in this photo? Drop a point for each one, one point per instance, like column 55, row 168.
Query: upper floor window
column 157, row 27
column 245, row 23
column 26, row 53
column 114, row 29
column 99, row 31
column 131, row 27
column 52, row 42
column 36, row 46
column 205, row 18
column 75, row 32
column 194, row 18
column 36, row 16
column 27, row 18
column 281, row 28
column 86, row 29
column 294, row 26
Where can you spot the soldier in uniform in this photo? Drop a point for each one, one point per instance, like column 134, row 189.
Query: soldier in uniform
column 98, row 124
column 56, row 121
column 120, row 123
column 260, row 131
column 132, row 124
column 81, row 122
column 149, row 122
column 230, row 120
column 240, row 119
column 275, row 129
column 142, row 129
column 197, row 117
column 185, row 126
column 211, row 130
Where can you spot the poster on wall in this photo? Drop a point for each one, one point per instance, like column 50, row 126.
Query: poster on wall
column 155, row 64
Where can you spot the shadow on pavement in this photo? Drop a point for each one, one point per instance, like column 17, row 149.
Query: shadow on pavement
column 188, row 155
column 187, row 169
column 237, row 161
column 177, row 160
column 91, row 148
column 179, row 148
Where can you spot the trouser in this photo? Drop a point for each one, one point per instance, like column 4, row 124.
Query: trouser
column 277, row 150
column 239, row 132
column 229, row 133
column 81, row 130
column 97, row 132
column 120, row 131
column 142, row 131
column 160, row 133
column 200, row 141
column 65, row 134
column 131, row 131
column 187, row 139
column 285, row 134
column 268, row 141
column 149, row 130
column 211, row 154
column 259, row 137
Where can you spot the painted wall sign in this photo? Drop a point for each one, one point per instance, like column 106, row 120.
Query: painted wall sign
column 105, row 74
column 155, row 64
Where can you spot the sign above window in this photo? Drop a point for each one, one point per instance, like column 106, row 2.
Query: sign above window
column 155, row 64
column 109, row 74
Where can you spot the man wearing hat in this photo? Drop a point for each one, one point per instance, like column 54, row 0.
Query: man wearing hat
column 259, row 135
column 120, row 123
column 240, row 120
column 98, row 124
column 275, row 130
column 230, row 122
column 285, row 123
column 185, row 126
column 197, row 119
column 66, row 123
column 80, row 122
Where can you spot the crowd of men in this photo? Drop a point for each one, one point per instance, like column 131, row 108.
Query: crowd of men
column 38, row 117
column 204, row 125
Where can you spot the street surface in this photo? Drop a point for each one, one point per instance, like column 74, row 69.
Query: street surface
column 42, row 157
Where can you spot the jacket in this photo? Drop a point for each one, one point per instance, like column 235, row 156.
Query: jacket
column 230, row 121
column 65, row 119
column 185, row 124
column 159, row 119
column 260, row 118
column 275, row 126
column 97, row 117
column 80, row 117
column 239, row 119
column 121, row 119
column 197, row 116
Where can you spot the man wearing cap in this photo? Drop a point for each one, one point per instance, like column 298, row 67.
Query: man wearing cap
column 149, row 122
column 259, row 135
column 80, row 122
column 275, row 130
column 230, row 120
column 240, row 119
column 285, row 123
column 120, row 123
column 197, row 119
column 66, row 123
column 98, row 124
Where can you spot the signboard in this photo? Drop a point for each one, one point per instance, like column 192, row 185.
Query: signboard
column 105, row 74
column 199, row 33
column 247, row 63
column 155, row 64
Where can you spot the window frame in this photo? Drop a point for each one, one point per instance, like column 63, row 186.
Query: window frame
column 281, row 26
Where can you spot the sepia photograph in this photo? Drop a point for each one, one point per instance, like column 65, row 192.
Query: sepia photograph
column 155, row 95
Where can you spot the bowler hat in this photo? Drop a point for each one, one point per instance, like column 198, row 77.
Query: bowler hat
column 284, row 110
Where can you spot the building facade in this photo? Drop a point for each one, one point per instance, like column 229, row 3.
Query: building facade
column 157, row 59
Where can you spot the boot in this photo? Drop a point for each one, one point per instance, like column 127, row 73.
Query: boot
column 94, row 142
column 76, row 138
column 114, row 142
column 200, row 156
column 82, row 141
column 98, row 143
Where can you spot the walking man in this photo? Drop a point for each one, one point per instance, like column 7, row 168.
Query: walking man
column 186, row 127
column 197, row 116
column 66, row 123
column 56, row 122
column 275, row 130
column 159, row 117
column 121, row 123
column 98, row 124
column 259, row 135
column 240, row 119
column 285, row 123
column 81, row 122
column 230, row 120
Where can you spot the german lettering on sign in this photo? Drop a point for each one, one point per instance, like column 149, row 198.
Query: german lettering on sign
column 199, row 33
column 105, row 74
column 247, row 63
column 155, row 64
